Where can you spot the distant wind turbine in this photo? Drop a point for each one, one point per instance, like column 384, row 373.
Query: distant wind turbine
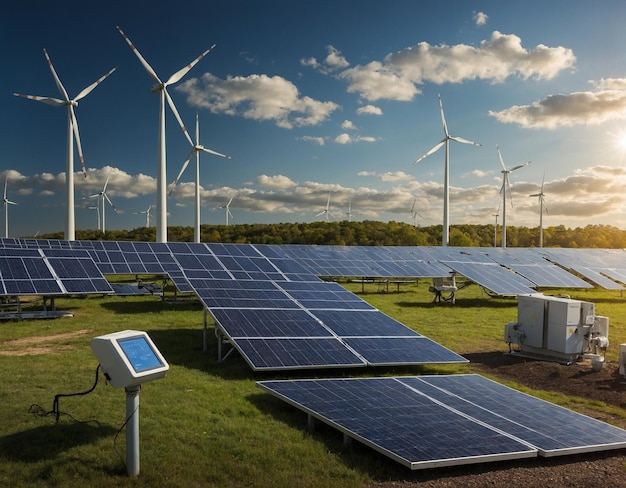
column 326, row 210
column 542, row 205
column 446, row 182
column 161, row 89
column 349, row 212
column 227, row 207
column 5, row 203
column 102, row 195
column 72, row 131
column 414, row 213
column 506, row 187
column 196, row 148
column 147, row 212
column 495, row 229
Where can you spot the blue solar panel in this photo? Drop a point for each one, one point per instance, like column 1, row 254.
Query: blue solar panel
column 399, row 422
column 494, row 277
column 372, row 323
column 443, row 420
column 297, row 353
column 393, row 351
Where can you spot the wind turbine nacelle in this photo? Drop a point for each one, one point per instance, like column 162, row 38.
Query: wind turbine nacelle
column 156, row 88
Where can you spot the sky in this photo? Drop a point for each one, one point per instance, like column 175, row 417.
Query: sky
column 320, row 99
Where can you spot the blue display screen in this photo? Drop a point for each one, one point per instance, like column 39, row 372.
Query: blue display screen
column 140, row 354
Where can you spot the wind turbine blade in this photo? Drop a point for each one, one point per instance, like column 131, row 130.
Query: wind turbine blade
column 322, row 212
column 177, row 115
column 413, row 207
column 55, row 102
column 77, row 137
column 544, row 205
column 6, row 180
column 182, row 72
column 519, row 166
column 543, row 180
column 182, row 170
column 229, row 201
column 106, row 197
column 210, row 151
column 10, row 202
column 145, row 64
column 56, row 78
column 464, row 141
column 106, row 183
column 434, row 149
column 443, row 118
column 508, row 187
column 501, row 160
column 88, row 90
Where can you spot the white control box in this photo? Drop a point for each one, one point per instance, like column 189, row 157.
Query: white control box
column 129, row 358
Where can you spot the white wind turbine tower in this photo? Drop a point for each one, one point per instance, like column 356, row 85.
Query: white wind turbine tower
column 542, row 205
column 196, row 148
column 506, row 186
column 326, row 210
column 161, row 89
column 104, row 197
column 446, row 182
column 5, row 203
column 72, row 132
column 227, row 207
column 147, row 212
column 349, row 212
column 495, row 229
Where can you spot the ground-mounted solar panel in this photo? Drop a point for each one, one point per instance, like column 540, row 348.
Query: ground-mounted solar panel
column 399, row 422
column 493, row 277
column 551, row 429
column 549, row 276
column 446, row 420
column 596, row 276
column 396, row 351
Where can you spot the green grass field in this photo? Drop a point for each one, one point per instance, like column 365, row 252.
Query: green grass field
column 206, row 423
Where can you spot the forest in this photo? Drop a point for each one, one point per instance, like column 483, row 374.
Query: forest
column 372, row 233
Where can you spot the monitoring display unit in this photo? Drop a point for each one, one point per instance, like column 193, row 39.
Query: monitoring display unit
column 129, row 358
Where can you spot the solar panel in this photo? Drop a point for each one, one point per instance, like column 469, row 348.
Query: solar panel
column 399, row 421
column 444, row 420
column 494, row 277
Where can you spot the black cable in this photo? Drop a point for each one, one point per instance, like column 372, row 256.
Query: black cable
column 38, row 410
column 119, row 432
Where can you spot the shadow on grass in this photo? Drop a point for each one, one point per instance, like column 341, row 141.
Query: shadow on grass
column 150, row 305
column 464, row 303
column 49, row 441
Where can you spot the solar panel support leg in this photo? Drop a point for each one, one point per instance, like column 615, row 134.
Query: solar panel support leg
column 310, row 422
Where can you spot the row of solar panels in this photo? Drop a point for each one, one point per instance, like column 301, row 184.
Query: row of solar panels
column 510, row 271
column 444, row 420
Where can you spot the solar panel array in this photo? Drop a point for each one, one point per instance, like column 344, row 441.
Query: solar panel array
column 445, row 420
column 283, row 317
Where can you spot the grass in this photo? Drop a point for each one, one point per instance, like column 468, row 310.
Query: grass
column 206, row 423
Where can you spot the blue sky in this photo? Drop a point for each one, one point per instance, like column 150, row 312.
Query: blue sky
column 316, row 97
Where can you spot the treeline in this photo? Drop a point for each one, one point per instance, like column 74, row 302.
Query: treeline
column 371, row 233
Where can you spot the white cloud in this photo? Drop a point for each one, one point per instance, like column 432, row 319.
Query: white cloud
column 343, row 139
column 334, row 61
column 494, row 60
column 480, row 18
column 316, row 140
column 257, row 97
column 347, row 125
column 580, row 108
column 275, row 182
column 369, row 110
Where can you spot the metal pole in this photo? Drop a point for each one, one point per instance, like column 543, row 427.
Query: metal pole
column 132, row 430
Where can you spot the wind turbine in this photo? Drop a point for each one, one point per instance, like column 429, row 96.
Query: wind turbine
column 349, row 212
column 414, row 213
column 506, row 186
column 5, row 203
column 147, row 212
column 227, row 207
column 542, row 205
column 103, row 196
column 446, row 182
column 72, row 132
column 196, row 148
column 161, row 89
column 326, row 210
column 495, row 229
